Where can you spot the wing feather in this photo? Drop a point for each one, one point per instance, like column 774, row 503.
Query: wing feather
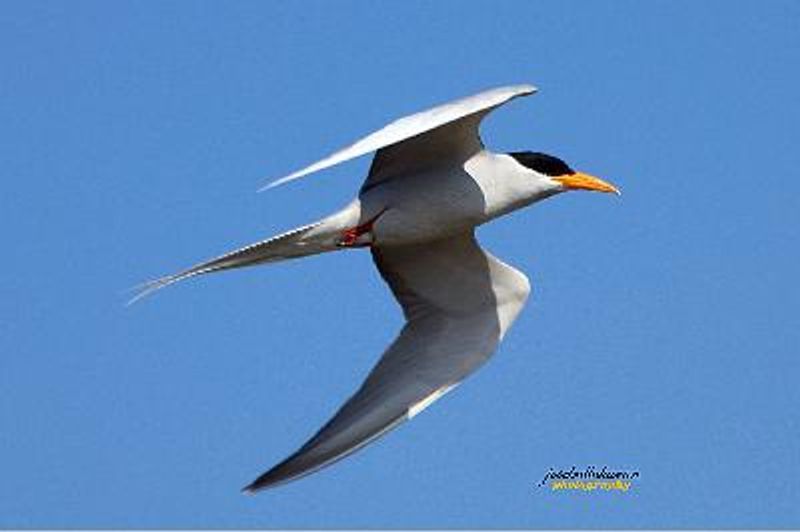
column 413, row 125
column 458, row 302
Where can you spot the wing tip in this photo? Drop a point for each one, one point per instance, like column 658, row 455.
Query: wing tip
column 285, row 179
column 271, row 479
column 251, row 489
column 272, row 184
column 524, row 89
column 254, row 487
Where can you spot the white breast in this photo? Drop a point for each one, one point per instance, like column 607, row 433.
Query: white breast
column 445, row 201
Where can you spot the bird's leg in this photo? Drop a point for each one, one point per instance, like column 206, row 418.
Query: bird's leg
column 350, row 237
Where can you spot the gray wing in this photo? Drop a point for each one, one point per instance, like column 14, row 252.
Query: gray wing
column 458, row 302
column 413, row 125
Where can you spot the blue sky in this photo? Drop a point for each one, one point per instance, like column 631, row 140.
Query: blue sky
column 662, row 335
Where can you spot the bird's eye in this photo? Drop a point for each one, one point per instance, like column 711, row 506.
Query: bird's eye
column 542, row 163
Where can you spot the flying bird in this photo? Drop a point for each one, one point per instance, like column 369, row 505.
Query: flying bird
column 430, row 184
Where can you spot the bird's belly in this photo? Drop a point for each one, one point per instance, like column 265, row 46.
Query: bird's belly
column 424, row 207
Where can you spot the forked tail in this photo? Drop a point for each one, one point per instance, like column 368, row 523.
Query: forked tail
column 311, row 239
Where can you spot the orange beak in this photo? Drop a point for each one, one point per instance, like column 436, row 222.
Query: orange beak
column 581, row 181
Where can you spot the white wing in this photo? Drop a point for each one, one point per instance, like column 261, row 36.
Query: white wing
column 458, row 302
column 413, row 125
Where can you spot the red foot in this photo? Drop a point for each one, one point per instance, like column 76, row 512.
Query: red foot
column 350, row 236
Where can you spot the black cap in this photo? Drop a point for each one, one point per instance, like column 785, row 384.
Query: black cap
column 542, row 163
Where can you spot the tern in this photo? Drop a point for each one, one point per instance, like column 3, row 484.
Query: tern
column 430, row 184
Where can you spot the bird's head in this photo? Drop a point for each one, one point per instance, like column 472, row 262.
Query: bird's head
column 554, row 175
